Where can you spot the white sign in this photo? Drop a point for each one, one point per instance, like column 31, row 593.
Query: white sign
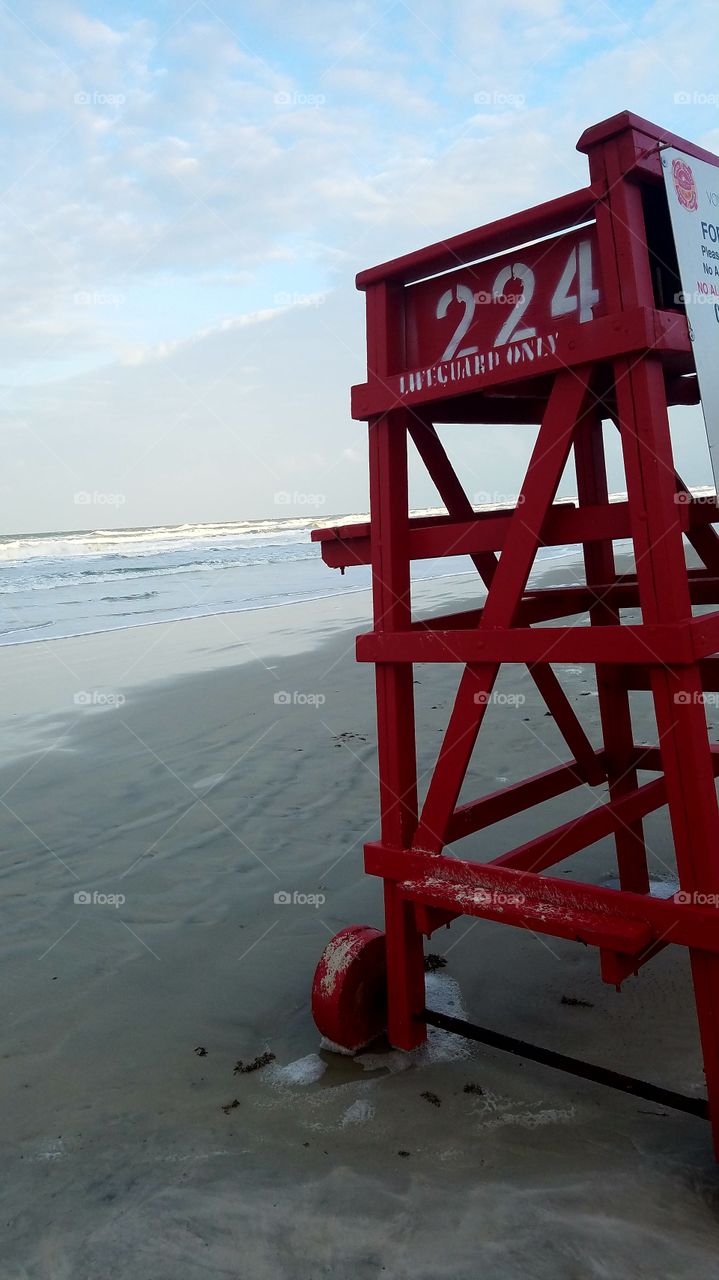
column 693, row 194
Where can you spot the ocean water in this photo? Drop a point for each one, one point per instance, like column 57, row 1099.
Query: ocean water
column 66, row 584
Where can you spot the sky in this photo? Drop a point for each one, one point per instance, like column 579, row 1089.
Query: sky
column 188, row 190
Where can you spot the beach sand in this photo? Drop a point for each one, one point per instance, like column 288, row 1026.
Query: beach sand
column 157, row 764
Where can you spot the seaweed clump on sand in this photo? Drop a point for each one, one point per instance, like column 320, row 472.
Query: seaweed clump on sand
column 575, row 1003
column 433, row 1098
column 244, row 1068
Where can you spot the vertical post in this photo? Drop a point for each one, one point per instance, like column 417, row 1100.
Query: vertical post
column 389, row 508
column 663, row 584
column 614, row 708
column 678, row 694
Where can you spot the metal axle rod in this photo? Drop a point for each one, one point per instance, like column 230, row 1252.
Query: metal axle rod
column 573, row 1066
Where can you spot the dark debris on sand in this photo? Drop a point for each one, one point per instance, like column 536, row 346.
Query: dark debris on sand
column 473, row 1088
column 432, row 962
column 575, row 1003
column 244, row 1068
column 433, row 1098
column 230, row 1106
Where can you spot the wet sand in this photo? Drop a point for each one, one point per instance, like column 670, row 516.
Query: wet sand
column 181, row 784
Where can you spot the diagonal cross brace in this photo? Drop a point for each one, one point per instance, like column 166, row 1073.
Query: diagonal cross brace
column 508, row 580
column 446, row 481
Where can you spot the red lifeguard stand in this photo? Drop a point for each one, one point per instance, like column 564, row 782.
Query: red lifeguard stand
column 564, row 315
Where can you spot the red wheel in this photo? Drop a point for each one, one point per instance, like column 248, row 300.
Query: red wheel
column 349, row 992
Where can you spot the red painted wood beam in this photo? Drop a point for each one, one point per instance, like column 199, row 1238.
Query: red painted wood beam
column 669, row 643
column 617, row 967
column 439, row 536
column 571, row 395
column 581, row 832
column 638, row 142
column 623, row 334
column 543, row 605
column 494, row 237
column 451, row 491
column 456, row 885
column 508, row 801
column 640, row 677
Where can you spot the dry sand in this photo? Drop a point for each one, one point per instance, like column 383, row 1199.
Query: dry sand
column 198, row 799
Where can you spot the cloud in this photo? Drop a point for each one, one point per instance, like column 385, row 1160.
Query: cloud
column 172, row 172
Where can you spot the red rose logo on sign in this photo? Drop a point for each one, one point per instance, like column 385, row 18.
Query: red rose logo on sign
column 684, row 184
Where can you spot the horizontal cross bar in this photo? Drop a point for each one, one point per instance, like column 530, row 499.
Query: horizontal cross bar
column 436, row 536
column 507, row 801
column 626, row 333
column 544, row 604
column 667, row 644
column 465, row 887
column 500, row 409
column 640, row 677
column 476, row 815
column 578, row 833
